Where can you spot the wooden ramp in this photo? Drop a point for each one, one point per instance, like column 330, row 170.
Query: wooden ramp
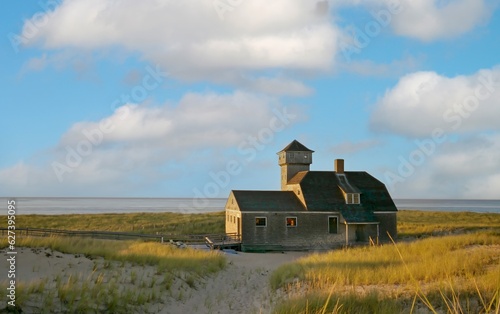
column 223, row 243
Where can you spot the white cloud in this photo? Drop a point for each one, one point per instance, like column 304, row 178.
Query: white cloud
column 189, row 39
column 429, row 20
column 422, row 102
column 465, row 169
column 277, row 86
column 198, row 120
column 139, row 147
column 426, row 20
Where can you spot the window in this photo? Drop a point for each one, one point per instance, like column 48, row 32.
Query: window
column 260, row 221
column 291, row 221
column 352, row 198
column 333, row 224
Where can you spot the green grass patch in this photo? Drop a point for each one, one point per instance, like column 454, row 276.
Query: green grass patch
column 414, row 223
column 144, row 223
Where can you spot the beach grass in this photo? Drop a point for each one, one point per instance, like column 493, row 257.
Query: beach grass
column 444, row 262
column 411, row 223
column 437, row 272
column 118, row 282
column 143, row 223
column 165, row 257
column 414, row 223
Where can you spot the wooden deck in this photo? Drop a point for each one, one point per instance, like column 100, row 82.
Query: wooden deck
column 223, row 242
column 218, row 241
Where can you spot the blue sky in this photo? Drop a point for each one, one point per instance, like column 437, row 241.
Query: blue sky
column 192, row 98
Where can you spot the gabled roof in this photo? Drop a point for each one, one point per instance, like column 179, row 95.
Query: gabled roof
column 322, row 191
column 267, row 201
column 295, row 146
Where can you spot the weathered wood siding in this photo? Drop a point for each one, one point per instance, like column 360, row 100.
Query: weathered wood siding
column 233, row 216
column 311, row 231
column 388, row 223
column 363, row 232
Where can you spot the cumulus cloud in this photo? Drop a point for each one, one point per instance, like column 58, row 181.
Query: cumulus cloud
column 429, row 20
column 425, row 20
column 465, row 169
column 193, row 38
column 422, row 102
column 277, row 86
column 139, row 146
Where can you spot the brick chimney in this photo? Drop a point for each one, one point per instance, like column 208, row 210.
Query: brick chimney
column 339, row 166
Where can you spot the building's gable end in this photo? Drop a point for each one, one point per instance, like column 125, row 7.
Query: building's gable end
column 232, row 202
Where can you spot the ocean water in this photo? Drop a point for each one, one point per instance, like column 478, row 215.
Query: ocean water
column 88, row 205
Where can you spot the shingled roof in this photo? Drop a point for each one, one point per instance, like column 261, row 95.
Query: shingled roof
column 268, row 201
column 295, row 146
column 322, row 191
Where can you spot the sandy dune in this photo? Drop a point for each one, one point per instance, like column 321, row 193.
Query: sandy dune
column 242, row 287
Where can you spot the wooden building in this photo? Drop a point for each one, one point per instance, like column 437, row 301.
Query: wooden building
column 313, row 210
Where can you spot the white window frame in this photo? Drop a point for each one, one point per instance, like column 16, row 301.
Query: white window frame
column 350, row 198
column 261, row 217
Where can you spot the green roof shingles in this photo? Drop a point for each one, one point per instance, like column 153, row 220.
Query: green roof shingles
column 268, row 201
column 321, row 191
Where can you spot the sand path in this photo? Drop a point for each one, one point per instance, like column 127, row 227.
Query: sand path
column 243, row 287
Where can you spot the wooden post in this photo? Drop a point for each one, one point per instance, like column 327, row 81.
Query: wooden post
column 346, row 234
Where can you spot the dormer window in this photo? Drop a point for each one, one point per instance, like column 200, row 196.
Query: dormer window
column 352, row 198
